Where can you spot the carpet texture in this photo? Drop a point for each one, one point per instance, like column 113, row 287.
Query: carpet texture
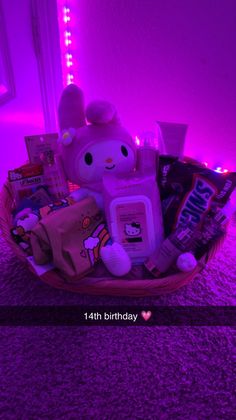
column 117, row 372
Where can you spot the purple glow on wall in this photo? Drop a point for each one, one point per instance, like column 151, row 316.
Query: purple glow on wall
column 23, row 118
column 68, row 62
column 3, row 89
column 172, row 61
column 23, row 115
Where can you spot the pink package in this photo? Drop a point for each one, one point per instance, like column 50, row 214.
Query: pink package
column 133, row 213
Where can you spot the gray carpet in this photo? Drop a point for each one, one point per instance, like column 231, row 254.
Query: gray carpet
column 118, row 372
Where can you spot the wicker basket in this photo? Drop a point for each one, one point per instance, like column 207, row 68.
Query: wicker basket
column 100, row 283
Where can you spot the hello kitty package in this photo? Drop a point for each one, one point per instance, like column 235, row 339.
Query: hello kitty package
column 134, row 214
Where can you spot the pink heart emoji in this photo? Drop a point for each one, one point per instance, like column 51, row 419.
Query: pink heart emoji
column 146, row 315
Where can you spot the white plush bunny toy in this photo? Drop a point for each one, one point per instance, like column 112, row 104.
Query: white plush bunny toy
column 89, row 150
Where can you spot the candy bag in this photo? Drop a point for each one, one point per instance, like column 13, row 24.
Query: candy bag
column 189, row 191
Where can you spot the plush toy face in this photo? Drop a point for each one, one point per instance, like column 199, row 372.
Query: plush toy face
column 110, row 156
column 92, row 148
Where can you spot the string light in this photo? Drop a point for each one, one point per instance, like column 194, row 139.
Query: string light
column 68, row 42
column 66, row 18
column 137, row 140
column 70, row 79
column 221, row 170
column 69, row 62
column 218, row 169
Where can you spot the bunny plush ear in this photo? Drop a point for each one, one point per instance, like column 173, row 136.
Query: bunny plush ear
column 71, row 108
column 101, row 112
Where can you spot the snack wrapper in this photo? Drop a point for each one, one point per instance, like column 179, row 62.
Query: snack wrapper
column 56, row 205
column 189, row 191
column 25, row 181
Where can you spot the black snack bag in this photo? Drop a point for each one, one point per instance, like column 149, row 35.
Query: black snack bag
column 188, row 191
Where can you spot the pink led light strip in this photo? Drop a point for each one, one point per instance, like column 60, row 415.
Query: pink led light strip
column 66, row 20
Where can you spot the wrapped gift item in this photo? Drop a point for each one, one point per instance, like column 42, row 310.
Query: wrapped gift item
column 29, row 213
column 56, row 205
column 24, row 222
column 71, row 238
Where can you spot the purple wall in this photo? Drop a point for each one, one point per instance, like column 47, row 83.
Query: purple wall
column 22, row 115
column 168, row 60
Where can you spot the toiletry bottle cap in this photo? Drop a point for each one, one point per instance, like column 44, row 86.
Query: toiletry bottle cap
column 148, row 139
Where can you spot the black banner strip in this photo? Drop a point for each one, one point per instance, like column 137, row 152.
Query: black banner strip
column 118, row 316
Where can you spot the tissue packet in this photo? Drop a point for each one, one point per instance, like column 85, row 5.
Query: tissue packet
column 133, row 213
